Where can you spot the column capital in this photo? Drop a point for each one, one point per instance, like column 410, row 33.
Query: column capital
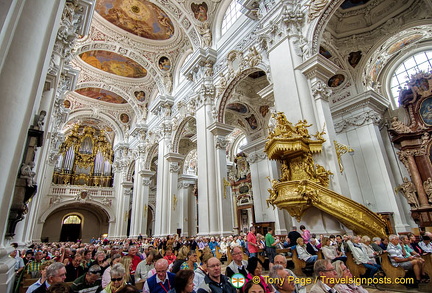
column 196, row 66
column 162, row 106
column 174, row 157
column 365, row 108
column 317, row 68
column 220, row 129
column 146, row 173
column 139, row 131
column 127, row 184
column 254, row 146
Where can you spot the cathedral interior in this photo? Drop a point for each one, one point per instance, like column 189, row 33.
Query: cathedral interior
column 204, row 117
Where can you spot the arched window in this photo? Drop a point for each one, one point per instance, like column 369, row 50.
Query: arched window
column 73, row 219
column 231, row 15
column 411, row 65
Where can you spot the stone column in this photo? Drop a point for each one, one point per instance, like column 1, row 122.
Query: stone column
column 370, row 173
column 187, row 216
column 223, row 203
column 146, row 181
column 172, row 193
column 123, row 190
column 200, row 69
column 282, row 36
column 162, row 108
column 318, row 70
column 261, row 169
column 28, row 30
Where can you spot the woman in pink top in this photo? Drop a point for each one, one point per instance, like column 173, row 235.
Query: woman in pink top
column 305, row 233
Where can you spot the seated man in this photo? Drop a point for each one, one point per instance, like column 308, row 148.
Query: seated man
column 89, row 282
column 74, row 268
column 311, row 246
column 398, row 260
column 162, row 281
column 55, row 273
column 361, row 257
column 426, row 244
column 238, row 265
column 215, row 282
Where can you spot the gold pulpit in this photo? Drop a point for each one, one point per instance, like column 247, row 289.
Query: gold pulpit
column 304, row 184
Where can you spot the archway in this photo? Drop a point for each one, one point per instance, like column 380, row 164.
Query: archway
column 94, row 221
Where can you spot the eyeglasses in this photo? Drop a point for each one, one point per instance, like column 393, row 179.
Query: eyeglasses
column 95, row 272
column 116, row 279
column 237, row 253
column 215, row 266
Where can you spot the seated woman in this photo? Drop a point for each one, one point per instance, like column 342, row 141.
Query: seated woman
column 254, row 268
column 117, row 274
column 367, row 248
column 361, row 257
column 183, row 282
column 344, row 273
column 302, row 252
column 106, row 277
column 409, row 251
column 191, row 261
column 251, row 287
column 330, row 251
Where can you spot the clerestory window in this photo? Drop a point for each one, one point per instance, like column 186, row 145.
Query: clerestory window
column 411, row 65
column 231, row 15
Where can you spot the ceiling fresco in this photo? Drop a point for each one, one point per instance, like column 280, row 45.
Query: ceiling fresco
column 138, row 17
column 101, row 95
column 113, row 63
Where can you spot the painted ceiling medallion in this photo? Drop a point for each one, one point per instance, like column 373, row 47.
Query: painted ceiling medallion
column 101, row 95
column 114, row 63
column 138, row 17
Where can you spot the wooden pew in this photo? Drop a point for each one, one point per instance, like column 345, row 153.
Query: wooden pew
column 25, row 283
column 299, row 264
column 218, row 253
column 391, row 271
column 356, row 270
column 428, row 264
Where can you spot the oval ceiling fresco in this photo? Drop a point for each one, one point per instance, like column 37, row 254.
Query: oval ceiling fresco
column 114, row 63
column 138, row 17
column 101, row 95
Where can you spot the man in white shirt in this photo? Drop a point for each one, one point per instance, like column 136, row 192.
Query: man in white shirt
column 426, row 244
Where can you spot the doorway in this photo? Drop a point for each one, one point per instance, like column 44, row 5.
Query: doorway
column 71, row 228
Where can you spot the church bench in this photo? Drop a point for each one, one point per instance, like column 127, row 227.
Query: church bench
column 299, row 264
column 356, row 270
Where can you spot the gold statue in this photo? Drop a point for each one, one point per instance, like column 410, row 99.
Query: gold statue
column 301, row 128
column 285, row 172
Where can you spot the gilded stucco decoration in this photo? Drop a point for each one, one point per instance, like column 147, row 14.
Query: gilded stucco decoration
column 304, row 184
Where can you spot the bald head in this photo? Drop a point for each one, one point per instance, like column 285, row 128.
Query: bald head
column 280, row 260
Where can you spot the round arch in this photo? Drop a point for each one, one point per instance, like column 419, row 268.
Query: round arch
column 110, row 120
column 178, row 134
column 226, row 95
column 90, row 212
column 109, row 213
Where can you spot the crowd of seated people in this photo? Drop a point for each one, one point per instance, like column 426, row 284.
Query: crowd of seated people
column 151, row 264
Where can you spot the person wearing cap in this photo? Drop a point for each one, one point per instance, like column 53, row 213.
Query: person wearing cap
column 89, row 282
